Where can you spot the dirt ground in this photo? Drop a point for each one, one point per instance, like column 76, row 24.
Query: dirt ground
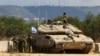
column 3, row 48
column 41, row 54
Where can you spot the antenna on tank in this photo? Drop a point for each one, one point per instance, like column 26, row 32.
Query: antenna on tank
column 38, row 16
column 64, row 7
column 59, row 3
column 46, row 16
column 38, row 13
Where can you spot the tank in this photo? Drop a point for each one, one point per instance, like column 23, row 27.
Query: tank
column 54, row 38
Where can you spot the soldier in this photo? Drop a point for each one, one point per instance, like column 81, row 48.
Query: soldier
column 29, row 43
column 64, row 20
column 24, row 43
column 51, row 23
column 21, row 44
column 15, row 42
column 10, row 45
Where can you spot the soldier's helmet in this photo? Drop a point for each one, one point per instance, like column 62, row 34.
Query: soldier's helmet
column 64, row 13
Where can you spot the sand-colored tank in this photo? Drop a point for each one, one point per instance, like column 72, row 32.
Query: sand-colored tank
column 58, row 39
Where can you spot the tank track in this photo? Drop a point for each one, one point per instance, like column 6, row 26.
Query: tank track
column 87, row 49
column 41, row 50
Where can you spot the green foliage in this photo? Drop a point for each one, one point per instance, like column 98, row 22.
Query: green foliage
column 10, row 26
column 90, row 25
column 59, row 18
column 74, row 21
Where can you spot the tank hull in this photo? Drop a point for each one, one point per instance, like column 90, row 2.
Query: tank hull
column 65, row 48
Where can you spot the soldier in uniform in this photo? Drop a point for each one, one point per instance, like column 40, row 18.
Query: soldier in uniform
column 21, row 44
column 51, row 23
column 64, row 20
column 29, row 43
column 24, row 44
column 15, row 43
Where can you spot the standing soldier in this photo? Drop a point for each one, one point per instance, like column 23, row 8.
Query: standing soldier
column 64, row 20
column 15, row 43
column 10, row 45
column 29, row 43
column 21, row 44
column 24, row 43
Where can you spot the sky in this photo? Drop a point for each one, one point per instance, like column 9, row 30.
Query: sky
column 51, row 2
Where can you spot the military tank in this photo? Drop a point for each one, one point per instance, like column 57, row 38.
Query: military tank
column 54, row 38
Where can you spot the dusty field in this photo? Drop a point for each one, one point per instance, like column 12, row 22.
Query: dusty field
column 40, row 54
column 3, row 48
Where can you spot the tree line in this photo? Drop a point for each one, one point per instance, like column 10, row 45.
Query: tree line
column 90, row 25
column 14, row 26
column 11, row 25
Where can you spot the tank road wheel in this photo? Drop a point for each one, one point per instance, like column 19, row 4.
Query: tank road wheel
column 35, row 50
column 46, row 50
column 63, row 51
column 87, row 49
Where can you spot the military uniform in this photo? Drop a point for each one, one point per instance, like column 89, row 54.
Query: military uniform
column 15, row 43
column 50, row 22
column 64, row 20
column 29, row 43
column 21, row 44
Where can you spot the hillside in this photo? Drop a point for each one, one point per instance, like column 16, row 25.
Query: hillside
column 15, row 11
column 52, row 11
